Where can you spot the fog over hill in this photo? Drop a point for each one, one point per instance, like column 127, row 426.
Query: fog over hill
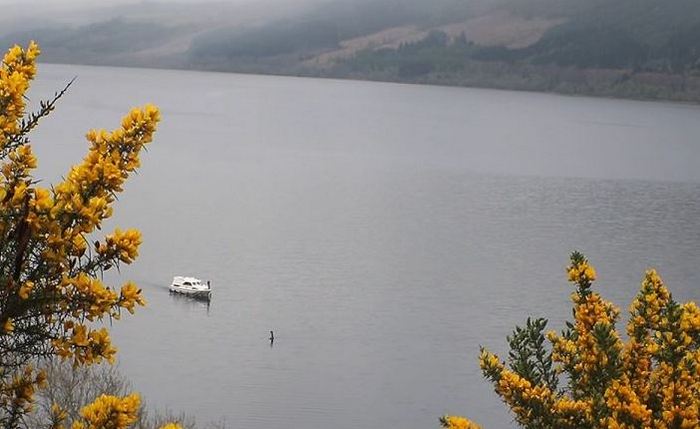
column 636, row 48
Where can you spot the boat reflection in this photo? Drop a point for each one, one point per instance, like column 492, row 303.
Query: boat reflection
column 186, row 301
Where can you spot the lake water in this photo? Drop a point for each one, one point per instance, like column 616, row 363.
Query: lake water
column 382, row 231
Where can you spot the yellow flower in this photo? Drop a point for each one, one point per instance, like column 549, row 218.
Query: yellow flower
column 8, row 326
column 18, row 196
column 457, row 422
column 130, row 297
column 58, row 413
column 110, row 412
column 56, row 296
column 123, row 244
column 26, row 289
column 42, row 200
column 651, row 381
column 581, row 272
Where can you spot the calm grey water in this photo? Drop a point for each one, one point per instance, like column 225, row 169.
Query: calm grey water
column 382, row 231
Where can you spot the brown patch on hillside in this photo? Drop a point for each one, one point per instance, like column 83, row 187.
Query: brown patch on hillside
column 502, row 29
column 498, row 29
column 389, row 38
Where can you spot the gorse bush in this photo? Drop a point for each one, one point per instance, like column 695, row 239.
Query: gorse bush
column 52, row 297
column 589, row 377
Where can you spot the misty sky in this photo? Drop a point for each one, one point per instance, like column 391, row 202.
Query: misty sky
column 85, row 11
column 60, row 3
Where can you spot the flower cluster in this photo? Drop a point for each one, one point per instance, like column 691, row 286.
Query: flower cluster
column 580, row 271
column 105, row 412
column 172, row 426
column 16, row 72
column 650, row 381
column 456, row 422
column 52, row 297
column 109, row 412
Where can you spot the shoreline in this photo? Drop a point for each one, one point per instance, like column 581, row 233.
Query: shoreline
column 448, row 82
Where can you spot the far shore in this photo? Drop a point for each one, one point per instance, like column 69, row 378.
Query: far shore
column 613, row 84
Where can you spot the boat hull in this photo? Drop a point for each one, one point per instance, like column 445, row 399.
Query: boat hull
column 199, row 294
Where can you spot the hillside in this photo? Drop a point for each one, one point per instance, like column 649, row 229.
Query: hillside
column 630, row 48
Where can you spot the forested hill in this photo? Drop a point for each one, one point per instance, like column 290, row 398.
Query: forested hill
column 632, row 48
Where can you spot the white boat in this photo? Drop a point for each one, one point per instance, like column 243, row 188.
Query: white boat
column 191, row 286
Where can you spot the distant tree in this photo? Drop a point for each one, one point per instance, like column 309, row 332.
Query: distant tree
column 435, row 38
column 682, row 51
column 589, row 46
column 461, row 40
column 413, row 69
column 72, row 388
